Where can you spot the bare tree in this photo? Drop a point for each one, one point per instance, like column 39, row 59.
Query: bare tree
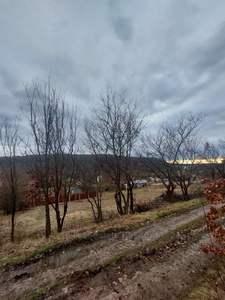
column 92, row 184
column 53, row 145
column 168, row 149
column 186, row 168
column 9, row 137
column 157, row 160
column 112, row 134
column 40, row 102
column 64, row 171
column 95, row 199
column 212, row 153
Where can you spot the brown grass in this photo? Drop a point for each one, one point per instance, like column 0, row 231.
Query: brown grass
column 30, row 223
column 211, row 285
column 78, row 224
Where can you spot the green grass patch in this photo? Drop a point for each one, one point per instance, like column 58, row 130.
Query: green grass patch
column 180, row 207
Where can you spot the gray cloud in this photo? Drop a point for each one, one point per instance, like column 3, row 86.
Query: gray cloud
column 170, row 55
column 211, row 53
column 123, row 28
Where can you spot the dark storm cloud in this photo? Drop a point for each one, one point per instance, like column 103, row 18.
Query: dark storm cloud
column 170, row 55
column 123, row 28
column 212, row 52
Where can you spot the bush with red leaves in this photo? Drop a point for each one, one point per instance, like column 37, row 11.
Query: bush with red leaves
column 215, row 194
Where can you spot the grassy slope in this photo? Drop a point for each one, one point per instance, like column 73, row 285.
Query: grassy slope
column 126, row 257
column 211, row 286
column 30, row 248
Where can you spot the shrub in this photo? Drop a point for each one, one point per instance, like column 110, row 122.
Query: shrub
column 142, row 207
column 215, row 194
column 6, row 203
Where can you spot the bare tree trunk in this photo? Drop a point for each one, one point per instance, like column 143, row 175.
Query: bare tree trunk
column 58, row 220
column 128, row 199
column 118, row 202
column 13, row 198
column 170, row 192
column 9, row 140
column 100, row 217
column 131, row 200
column 122, row 203
column 130, row 195
column 47, row 220
column 59, row 227
column 96, row 208
column 184, row 189
column 63, row 217
column 57, row 211
column 99, row 207
column 12, row 226
column 126, row 204
column 13, row 218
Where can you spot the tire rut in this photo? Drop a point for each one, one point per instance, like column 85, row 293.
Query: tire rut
column 56, row 267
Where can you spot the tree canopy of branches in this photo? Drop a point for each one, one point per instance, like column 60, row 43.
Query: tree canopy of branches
column 64, row 171
column 53, row 145
column 92, row 183
column 112, row 133
column 188, row 145
column 174, row 144
column 212, row 153
column 9, row 137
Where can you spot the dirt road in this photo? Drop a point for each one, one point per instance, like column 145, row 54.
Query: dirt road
column 170, row 277
column 50, row 271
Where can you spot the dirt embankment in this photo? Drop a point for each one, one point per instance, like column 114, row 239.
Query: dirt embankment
column 54, row 271
column 170, row 276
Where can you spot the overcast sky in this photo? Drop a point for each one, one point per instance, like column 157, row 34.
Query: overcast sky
column 169, row 54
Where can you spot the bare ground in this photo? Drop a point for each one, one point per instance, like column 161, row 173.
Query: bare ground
column 54, row 271
column 168, row 277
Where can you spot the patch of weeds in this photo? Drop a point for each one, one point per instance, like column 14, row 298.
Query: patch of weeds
column 14, row 260
column 40, row 293
column 117, row 258
column 155, row 246
column 48, row 248
column 180, row 207
column 181, row 231
column 35, row 294
column 210, row 286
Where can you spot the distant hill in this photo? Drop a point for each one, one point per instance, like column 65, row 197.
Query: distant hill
column 85, row 161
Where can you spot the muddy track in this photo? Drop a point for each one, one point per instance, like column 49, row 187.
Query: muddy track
column 168, row 277
column 15, row 283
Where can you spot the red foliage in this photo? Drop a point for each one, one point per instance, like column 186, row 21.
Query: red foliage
column 215, row 194
column 34, row 196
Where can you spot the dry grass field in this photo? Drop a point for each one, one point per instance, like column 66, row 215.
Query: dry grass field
column 31, row 222
column 78, row 223
column 122, row 254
